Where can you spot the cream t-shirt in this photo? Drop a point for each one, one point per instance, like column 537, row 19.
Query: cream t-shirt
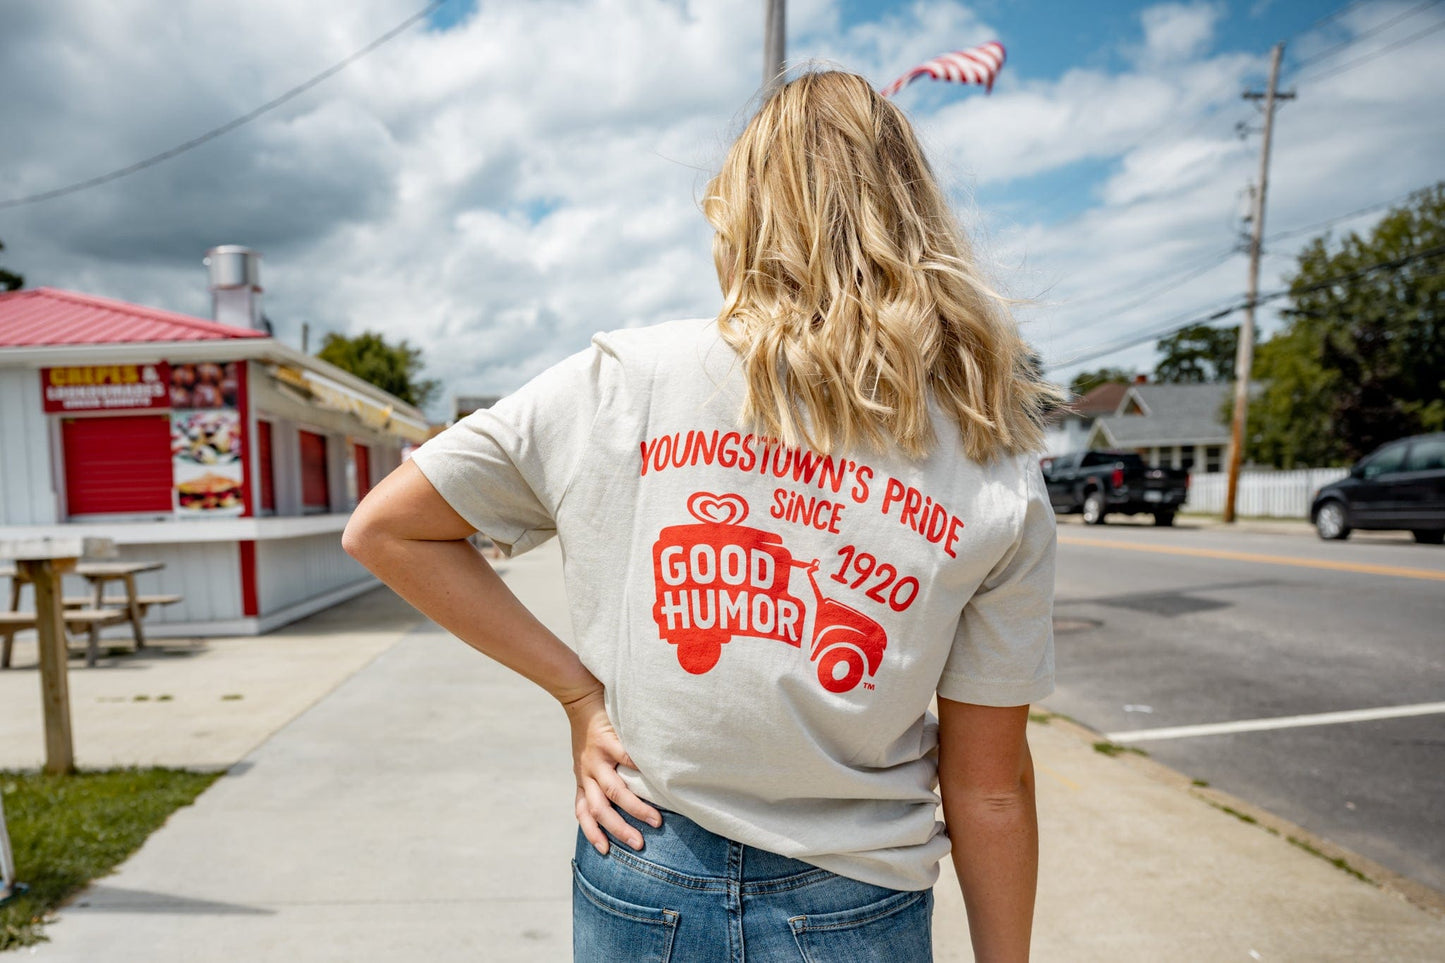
column 770, row 623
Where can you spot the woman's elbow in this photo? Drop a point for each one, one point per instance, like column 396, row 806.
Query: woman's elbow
column 353, row 542
column 363, row 533
column 998, row 789
column 1002, row 802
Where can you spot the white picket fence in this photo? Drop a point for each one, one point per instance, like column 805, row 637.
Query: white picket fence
column 1275, row 494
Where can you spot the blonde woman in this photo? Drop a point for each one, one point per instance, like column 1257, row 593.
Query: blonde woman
column 786, row 529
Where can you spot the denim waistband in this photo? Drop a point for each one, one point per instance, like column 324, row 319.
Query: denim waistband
column 682, row 852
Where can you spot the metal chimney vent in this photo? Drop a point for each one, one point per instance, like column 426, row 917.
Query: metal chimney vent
column 235, row 283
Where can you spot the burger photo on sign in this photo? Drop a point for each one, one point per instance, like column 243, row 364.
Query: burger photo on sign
column 205, row 489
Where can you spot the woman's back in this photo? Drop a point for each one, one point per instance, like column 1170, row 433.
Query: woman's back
column 770, row 623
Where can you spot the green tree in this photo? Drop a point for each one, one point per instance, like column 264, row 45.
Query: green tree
column 1289, row 426
column 1361, row 359
column 1086, row 381
column 396, row 369
column 9, row 280
column 1197, row 354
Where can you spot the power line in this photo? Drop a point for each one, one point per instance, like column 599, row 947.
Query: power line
column 1171, row 281
column 227, row 127
column 1365, row 34
column 1366, row 58
column 1189, row 275
column 1153, row 335
column 1172, row 328
column 1203, row 267
column 1340, row 12
column 1308, row 228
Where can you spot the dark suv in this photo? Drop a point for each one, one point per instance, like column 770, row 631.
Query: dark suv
column 1400, row 485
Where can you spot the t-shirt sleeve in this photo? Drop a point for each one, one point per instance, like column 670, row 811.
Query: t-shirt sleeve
column 1003, row 650
column 505, row 469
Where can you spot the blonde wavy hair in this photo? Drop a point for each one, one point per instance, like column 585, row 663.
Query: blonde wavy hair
column 850, row 292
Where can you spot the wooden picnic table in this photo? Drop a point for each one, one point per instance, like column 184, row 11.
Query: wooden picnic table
column 99, row 574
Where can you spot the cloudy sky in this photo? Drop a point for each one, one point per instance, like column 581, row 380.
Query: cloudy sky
column 507, row 177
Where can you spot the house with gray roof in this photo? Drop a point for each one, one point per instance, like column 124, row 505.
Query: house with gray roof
column 1067, row 427
column 1176, row 426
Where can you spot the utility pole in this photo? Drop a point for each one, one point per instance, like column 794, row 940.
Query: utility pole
column 774, row 43
column 1244, row 356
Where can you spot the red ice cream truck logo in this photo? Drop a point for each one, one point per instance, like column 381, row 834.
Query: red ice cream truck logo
column 720, row 579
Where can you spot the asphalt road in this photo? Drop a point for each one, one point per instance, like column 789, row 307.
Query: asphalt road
column 1178, row 627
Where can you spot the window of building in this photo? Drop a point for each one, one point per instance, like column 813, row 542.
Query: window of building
column 1186, row 457
column 315, row 480
column 1213, row 457
column 117, row 464
column 265, row 467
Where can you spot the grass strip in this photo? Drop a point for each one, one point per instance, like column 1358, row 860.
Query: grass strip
column 1338, row 862
column 1113, row 748
column 68, row 830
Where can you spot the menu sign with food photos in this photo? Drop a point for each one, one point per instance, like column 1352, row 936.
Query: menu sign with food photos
column 207, row 439
column 105, row 387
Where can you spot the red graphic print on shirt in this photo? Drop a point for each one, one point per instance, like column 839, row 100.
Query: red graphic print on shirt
column 719, row 579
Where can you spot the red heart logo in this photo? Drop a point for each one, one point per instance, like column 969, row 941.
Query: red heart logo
column 718, row 509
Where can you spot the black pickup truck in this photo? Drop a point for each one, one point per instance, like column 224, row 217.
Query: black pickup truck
column 1099, row 482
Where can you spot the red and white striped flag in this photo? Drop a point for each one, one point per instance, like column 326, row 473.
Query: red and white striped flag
column 976, row 65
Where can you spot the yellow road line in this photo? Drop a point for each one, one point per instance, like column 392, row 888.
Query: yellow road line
column 1396, row 571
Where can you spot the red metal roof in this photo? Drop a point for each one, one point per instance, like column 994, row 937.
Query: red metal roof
column 49, row 316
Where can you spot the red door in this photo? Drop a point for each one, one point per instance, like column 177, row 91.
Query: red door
column 117, row 464
column 315, row 484
column 363, row 471
column 263, row 465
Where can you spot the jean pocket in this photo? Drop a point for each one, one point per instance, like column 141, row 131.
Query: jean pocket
column 896, row 929
column 607, row 929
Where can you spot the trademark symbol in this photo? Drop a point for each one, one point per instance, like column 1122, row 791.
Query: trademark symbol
column 868, row 685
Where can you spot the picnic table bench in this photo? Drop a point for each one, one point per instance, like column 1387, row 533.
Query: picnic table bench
column 92, row 612
column 79, row 618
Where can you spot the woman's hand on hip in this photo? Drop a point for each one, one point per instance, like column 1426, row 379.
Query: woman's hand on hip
column 596, row 754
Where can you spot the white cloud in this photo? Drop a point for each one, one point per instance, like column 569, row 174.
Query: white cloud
column 1176, row 32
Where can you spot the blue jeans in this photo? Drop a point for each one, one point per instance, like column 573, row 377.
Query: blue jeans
column 695, row 897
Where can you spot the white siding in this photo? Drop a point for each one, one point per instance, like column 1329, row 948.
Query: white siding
column 289, row 572
column 27, row 496
column 293, row 570
column 1272, row 494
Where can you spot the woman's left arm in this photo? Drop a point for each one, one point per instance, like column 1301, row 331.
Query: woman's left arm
column 986, row 781
column 415, row 542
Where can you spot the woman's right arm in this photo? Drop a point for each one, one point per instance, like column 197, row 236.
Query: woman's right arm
column 986, row 779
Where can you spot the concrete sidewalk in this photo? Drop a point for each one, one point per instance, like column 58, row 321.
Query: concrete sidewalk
column 422, row 810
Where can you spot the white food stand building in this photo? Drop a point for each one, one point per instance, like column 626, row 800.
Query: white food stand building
column 206, row 445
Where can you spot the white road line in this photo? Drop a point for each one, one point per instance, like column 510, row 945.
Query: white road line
column 1280, row 722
